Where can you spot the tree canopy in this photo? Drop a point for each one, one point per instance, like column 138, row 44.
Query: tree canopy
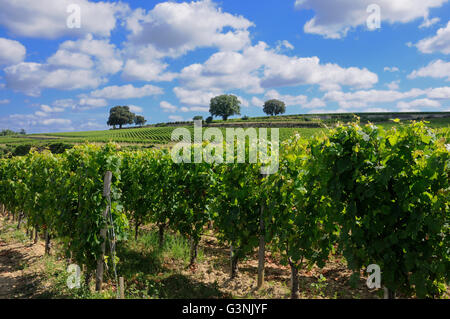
column 225, row 106
column 140, row 120
column 274, row 107
column 121, row 115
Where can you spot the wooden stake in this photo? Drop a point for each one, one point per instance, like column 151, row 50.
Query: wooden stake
column 122, row 288
column 100, row 260
column 262, row 247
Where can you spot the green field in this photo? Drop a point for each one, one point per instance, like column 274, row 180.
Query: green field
column 162, row 135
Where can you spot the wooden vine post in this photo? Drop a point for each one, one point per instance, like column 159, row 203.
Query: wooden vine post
column 100, row 261
column 262, row 246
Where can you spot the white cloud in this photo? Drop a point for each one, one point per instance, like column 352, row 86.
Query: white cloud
column 256, row 101
column 394, row 85
column 435, row 69
column 31, row 78
column 4, row 101
column 64, row 58
column 65, row 103
column 429, row 22
column 80, row 64
column 167, row 107
column 438, row 43
column 126, row 92
column 48, row 18
column 368, row 97
column 176, row 28
column 334, row 19
column 136, row 109
column 172, row 29
column 150, row 70
column 289, row 100
column 391, row 69
column 48, row 109
column 439, row 93
column 11, row 52
column 259, row 67
column 106, row 58
column 195, row 97
column 56, row 121
column 284, row 45
column 176, row 118
column 416, row 105
column 314, row 103
column 89, row 103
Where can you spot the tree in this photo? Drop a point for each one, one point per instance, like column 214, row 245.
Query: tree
column 140, row 120
column 120, row 115
column 198, row 118
column 225, row 106
column 274, row 107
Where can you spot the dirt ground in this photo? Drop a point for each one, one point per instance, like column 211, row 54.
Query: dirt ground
column 17, row 278
column 23, row 274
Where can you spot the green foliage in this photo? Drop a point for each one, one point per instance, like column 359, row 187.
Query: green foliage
column 120, row 115
column 59, row 148
column 391, row 194
column 238, row 197
column 297, row 212
column 381, row 197
column 225, row 106
column 140, row 120
column 274, row 107
column 21, row 150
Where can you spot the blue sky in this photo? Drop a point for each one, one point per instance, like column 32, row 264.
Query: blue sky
column 166, row 59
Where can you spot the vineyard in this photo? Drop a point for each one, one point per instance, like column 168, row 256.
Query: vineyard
column 367, row 194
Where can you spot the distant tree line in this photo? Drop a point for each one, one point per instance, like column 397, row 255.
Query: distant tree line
column 8, row 132
column 229, row 105
column 224, row 106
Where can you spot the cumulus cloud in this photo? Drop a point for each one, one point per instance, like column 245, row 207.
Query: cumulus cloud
column 195, row 97
column 90, row 103
column 176, row 118
column 394, row 85
column 126, row 92
column 48, row 18
column 56, row 121
column 364, row 98
column 436, row 69
column 438, row 43
column 106, row 57
column 416, row 105
column 80, row 64
column 256, row 101
column 11, row 52
column 176, row 28
column 136, row 109
column 31, row 78
column 172, row 29
column 167, row 107
column 334, row 19
column 289, row 100
column 5, row 101
column 259, row 67
column 439, row 93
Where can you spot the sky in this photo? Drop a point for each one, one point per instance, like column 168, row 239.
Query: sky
column 65, row 63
